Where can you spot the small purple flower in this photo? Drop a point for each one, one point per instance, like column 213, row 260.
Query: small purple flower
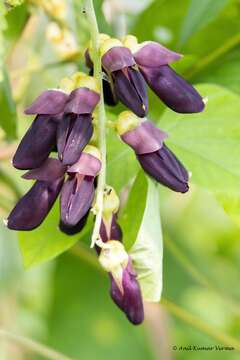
column 76, row 129
column 153, row 62
column 128, row 83
column 154, row 156
column 34, row 206
column 125, row 290
column 78, row 191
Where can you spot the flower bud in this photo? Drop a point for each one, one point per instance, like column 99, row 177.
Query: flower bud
column 50, row 102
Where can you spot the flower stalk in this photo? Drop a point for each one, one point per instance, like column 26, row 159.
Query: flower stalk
column 101, row 116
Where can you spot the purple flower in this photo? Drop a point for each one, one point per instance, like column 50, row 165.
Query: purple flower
column 76, row 129
column 153, row 61
column 50, row 102
column 125, row 290
column 34, row 206
column 153, row 155
column 128, row 83
column 78, row 191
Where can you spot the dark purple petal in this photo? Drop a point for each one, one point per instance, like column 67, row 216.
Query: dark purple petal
column 173, row 90
column 63, row 130
column 76, row 134
column 50, row 170
column 86, row 165
column 145, row 138
column 50, row 102
column 82, row 101
column 115, row 232
column 117, row 58
column 164, row 167
column 130, row 302
column 76, row 198
column 130, row 89
column 36, row 144
column 34, row 206
column 72, row 230
column 152, row 54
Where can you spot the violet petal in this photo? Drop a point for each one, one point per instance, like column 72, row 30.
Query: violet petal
column 34, row 206
column 152, row 54
column 125, row 86
column 72, row 230
column 76, row 199
column 117, row 58
column 36, row 144
column 86, row 165
column 50, row 102
column 173, row 90
column 82, row 101
column 165, row 168
column 50, row 170
column 145, row 138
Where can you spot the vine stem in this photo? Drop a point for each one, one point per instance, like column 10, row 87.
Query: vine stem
column 98, row 207
column 32, row 345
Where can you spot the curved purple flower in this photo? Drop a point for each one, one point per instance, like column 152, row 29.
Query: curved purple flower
column 156, row 159
column 153, row 62
column 128, row 83
column 76, row 129
column 34, row 206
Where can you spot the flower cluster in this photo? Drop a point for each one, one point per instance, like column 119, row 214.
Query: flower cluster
column 65, row 123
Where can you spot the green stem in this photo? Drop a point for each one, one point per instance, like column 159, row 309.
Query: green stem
column 200, row 325
column 206, row 61
column 34, row 346
column 98, row 207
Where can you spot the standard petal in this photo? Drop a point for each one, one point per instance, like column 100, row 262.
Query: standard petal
column 78, row 137
column 173, row 90
column 34, row 206
column 50, row 170
column 165, row 168
column 50, row 102
column 117, row 58
column 76, row 199
column 82, row 101
column 127, row 92
column 86, row 165
column 145, row 138
column 153, row 54
column 36, row 144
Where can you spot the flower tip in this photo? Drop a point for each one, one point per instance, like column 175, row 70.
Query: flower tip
column 205, row 100
column 5, row 222
column 127, row 121
column 109, row 44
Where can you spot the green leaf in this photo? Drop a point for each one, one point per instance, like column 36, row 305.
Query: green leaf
column 147, row 251
column 199, row 15
column 83, row 320
column 45, row 242
column 209, row 143
column 130, row 220
column 8, row 116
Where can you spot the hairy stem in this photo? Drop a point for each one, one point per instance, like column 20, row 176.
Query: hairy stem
column 101, row 116
column 32, row 345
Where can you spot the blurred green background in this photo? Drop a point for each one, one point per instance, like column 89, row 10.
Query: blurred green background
column 64, row 302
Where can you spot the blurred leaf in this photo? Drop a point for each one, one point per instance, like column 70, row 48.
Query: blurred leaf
column 3, row 26
column 130, row 219
column 8, row 109
column 199, row 15
column 84, row 322
column 147, row 251
column 121, row 162
column 230, row 202
column 45, row 242
column 209, row 143
column 16, row 19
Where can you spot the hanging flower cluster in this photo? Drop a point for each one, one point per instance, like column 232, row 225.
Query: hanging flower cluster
column 65, row 122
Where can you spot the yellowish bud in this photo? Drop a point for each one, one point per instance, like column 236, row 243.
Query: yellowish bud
column 131, row 42
column 82, row 80
column 109, row 44
column 127, row 121
column 111, row 202
column 92, row 150
column 101, row 38
column 67, row 85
